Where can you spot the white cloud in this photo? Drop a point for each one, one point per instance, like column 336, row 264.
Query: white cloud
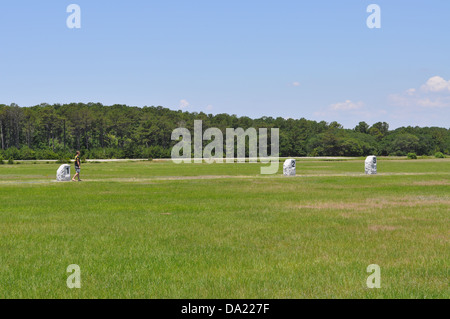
column 348, row 105
column 424, row 105
column 348, row 108
column 411, row 91
column 436, row 84
column 209, row 107
column 432, row 103
column 351, row 110
column 295, row 83
column 400, row 99
column 184, row 104
column 435, row 93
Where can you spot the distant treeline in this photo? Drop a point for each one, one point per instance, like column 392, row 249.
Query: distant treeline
column 119, row 131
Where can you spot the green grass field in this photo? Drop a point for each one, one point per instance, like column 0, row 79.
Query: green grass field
column 160, row 230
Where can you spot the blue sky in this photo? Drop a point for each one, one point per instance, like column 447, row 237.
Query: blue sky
column 289, row 58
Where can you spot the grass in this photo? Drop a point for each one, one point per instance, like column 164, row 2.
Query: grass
column 160, row 230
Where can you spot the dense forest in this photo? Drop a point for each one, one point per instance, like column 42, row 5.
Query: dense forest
column 55, row 131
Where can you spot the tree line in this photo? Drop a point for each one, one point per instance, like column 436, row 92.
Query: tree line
column 55, row 131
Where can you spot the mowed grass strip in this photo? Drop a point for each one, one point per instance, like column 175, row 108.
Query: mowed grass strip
column 252, row 237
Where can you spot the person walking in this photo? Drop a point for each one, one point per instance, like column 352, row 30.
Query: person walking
column 77, row 167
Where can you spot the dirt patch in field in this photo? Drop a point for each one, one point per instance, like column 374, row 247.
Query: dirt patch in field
column 167, row 178
column 377, row 203
column 439, row 237
column 430, row 183
column 407, row 201
column 11, row 180
column 332, row 205
column 27, row 182
column 348, row 215
column 382, row 228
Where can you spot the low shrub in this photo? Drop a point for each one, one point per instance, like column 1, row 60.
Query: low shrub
column 46, row 154
column 412, row 156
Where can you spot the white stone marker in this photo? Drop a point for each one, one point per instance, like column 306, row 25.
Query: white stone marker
column 371, row 165
column 289, row 167
column 63, row 173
